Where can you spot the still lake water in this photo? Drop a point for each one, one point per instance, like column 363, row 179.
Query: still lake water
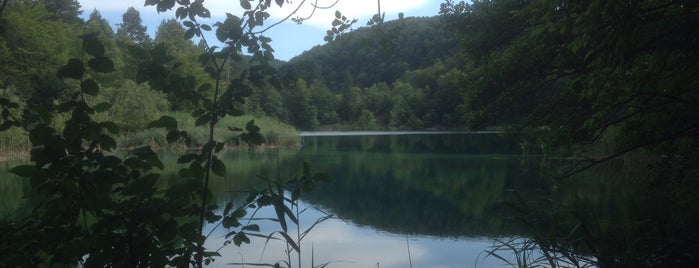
column 426, row 199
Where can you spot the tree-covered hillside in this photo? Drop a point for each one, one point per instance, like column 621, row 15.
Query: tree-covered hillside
column 378, row 54
column 394, row 75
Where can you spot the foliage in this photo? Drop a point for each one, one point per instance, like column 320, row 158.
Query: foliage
column 551, row 68
column 98, row 208
column 133, row 105
column 574, row 75
column 370, row 56
column 131, row 30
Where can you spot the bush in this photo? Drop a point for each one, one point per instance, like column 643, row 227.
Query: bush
column 134, row 105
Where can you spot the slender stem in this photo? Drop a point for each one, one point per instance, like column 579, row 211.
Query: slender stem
column 4, row 4
column 410, row 259
column 298, row 230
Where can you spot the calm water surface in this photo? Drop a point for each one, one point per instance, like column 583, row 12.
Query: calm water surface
column 435, row 200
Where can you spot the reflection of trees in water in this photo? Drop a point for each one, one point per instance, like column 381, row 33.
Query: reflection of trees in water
column 414, row 184
column 432, row 195
column 12, row 189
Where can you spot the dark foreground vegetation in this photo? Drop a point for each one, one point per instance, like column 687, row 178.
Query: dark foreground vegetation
column 594, row 81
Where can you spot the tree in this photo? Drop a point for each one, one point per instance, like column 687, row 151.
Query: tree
column 171, row 34
column 96, row 208
column 302, row 113
column 99, row 26
column 67, row 11
column 31, row 61
column 325, row 102
column 131, row 29
column 575, row 74
column 546, row 70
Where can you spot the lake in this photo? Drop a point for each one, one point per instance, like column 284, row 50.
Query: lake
column 430, row 199
column 400, row 199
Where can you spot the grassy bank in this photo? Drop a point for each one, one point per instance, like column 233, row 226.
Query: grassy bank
column 14, row 143
column 276, row 133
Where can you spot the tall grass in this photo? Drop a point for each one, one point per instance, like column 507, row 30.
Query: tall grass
column 276, row 133
column 14, row 142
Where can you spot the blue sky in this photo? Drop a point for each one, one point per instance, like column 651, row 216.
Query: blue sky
column 289, row 38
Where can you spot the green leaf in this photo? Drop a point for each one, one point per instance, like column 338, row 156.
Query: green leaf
column 166, row 122
column 252, row 227
column 218, row 167
column 190, row 33
column 228, row 208
column 290, row 241
column 208, row 147
column 196, row 171
column 202, row 120
column 245, row 4
column 110, row 126
column 188, row 24
column 211, row 217
column 187, row 158
column 172, row 136
column 152, row 158
column 219, row 147
column 90, row 87
column 229, row 222
column 101, row 64
column 241, row 238
column 25, row 171
column 93, row 46
column 102, row 106
column 73, row 69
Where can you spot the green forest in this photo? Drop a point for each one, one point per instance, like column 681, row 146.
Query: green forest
column 591, row 81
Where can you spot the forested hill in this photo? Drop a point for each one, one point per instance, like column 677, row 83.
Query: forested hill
column 372, row 55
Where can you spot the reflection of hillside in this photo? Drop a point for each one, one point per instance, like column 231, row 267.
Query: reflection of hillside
column 472, row 144
column 440, row 185
column 12, row 189
column 441, row 196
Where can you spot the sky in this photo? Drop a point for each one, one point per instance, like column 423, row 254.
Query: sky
column 288, row 39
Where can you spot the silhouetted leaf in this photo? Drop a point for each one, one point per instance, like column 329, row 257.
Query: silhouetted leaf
column 202, row 120
column 93, row 46
column 245, row 4
column 290, row 241
column 26, row 171
column 90, row 87
column 240, row 238
column 73, row 69
column 110, row 126
column 101, row 64
column 252, row 227
column 218, row 167
column 187, row 158
column 190, row 33
column 166, row 122
column 211, row 217
column 102, row 106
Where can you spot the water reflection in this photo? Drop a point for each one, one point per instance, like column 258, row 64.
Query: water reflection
column 345, row 244
column 438, row 197
column 444, row 193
